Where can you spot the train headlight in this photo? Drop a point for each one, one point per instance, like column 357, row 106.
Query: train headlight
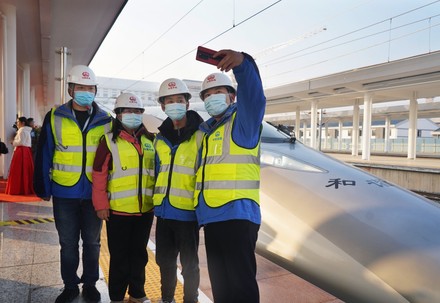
column 282, row 161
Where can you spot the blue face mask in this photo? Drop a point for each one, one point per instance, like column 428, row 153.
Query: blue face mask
column 176, row 111
column 131, row 121
column 216, row 104
column 83, row 98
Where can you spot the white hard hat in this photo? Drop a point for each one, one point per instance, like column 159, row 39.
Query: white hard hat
column 128, row 100
column 173, row 86
column 215, row 80
column 81, row 74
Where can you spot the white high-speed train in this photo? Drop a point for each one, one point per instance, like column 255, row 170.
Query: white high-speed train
column 352, row 234
column 358, row 237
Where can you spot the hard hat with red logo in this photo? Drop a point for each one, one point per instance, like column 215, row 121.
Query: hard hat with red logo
column 215, row 80
column 173, row 86
column 81, row 74
column 128, row 100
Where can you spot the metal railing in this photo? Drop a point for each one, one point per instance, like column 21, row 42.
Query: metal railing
column 424, row 146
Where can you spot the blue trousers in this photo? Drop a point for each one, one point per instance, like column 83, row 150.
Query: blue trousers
column 75, row 219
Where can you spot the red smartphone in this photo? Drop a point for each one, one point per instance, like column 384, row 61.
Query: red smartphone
column 205, row 55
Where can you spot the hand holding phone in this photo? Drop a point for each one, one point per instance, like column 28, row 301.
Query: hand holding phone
column 205, row 55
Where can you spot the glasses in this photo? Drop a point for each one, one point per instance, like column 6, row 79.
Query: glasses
column 133, row 110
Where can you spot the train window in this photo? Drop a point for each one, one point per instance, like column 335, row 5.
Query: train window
column 271, row 134
column 271, row 156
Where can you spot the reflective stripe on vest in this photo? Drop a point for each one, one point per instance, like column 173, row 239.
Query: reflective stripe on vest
column 70, row 148
column 132, row 175
column 179, row 186
column 228, row 172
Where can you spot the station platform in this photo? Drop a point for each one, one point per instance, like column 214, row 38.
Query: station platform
column 30, row 268
column 29, row 252
column 421, row 163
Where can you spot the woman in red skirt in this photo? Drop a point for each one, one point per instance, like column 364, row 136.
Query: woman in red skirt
column 20, row 180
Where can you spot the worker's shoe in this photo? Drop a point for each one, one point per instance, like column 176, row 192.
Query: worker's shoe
column 139, row 300
column 91, row 294
column 68, row 295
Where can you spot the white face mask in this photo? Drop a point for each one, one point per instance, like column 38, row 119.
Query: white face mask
column 176, row 111
column 216, row 104
column 131, row 120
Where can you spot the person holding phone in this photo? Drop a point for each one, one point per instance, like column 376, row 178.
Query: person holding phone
column 227, row 199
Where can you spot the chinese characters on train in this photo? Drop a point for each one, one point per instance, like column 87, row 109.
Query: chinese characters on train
column 338, row 182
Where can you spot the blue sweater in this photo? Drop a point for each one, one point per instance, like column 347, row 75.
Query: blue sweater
column 250, row 107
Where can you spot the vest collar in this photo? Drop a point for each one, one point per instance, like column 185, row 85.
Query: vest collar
column 212, row 124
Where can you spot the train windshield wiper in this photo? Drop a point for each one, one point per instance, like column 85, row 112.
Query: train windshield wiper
column 277, row 133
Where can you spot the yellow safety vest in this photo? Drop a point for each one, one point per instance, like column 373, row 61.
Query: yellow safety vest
column 228, row 172
column 132, row 175
column 182, row 167
column 70, row 149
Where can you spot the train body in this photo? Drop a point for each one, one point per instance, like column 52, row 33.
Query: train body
column 350, row 233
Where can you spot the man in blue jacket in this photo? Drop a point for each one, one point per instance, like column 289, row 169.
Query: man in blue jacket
column 228, row 178
column 66, row 150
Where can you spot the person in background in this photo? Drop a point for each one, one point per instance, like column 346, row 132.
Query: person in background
column 34, row 136
column 3, row 148
column 123, row 183
column 20, row 179
column 227, row 190
column 66, row 149
column 177, row 229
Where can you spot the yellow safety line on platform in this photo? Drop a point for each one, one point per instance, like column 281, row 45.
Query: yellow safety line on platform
column 27, row 221
column 152, row 283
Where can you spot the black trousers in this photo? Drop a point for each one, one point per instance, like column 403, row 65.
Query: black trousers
column 230, row 252
column 126, row 237
column 174, row 237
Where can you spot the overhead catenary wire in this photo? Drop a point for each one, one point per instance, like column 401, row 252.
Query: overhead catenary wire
column 351, row 32
column 215, row 37
column 287, row 57
column 160, row 37
column 316, row 30
column 355, row 51
column 357, row 39
column 279, row 46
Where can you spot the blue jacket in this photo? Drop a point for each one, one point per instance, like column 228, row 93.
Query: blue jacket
column 43, row 185
column 250, row 107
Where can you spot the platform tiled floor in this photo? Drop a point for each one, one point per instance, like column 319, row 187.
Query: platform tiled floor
column 29, row 264
column 417, row 163
column 29, row 256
